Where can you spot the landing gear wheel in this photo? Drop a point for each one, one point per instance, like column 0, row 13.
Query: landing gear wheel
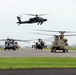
column 36, row 48
column 4, row 49
column 54, row 50
column 14, row 49
column 51, row 50
column 63, row 50
column 66, row 50
column 41, row 48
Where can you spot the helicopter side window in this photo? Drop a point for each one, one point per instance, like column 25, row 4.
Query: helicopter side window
column 6, row 44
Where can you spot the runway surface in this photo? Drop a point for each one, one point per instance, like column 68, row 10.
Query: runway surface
column 30, row 52
column 39, row 72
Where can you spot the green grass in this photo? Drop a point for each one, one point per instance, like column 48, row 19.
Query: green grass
column 37, row 62
column 71, row 48
column 1, row 48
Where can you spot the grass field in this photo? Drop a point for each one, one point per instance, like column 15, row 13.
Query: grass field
column 1, row 49
column 37, row 62
column 71, row 48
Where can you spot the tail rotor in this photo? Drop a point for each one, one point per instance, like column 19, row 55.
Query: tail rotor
column 19, row 20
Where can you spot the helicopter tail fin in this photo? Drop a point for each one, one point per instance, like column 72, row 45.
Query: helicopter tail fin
column 19, row 19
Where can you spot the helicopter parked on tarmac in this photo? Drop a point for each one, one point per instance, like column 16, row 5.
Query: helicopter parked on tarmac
column 59, row 43
column 35, row 19
column 11, row 43
column 39, row 44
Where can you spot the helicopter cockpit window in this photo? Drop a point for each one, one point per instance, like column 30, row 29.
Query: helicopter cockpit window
column 11, row 44
column 38, row 43
column 57, row 43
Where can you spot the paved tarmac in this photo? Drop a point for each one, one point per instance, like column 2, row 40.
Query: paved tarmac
column 30, row 52
column 39, row 72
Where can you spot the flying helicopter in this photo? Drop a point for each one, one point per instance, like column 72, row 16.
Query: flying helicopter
column 36, row 19
column 59, row 43
column 11, row 43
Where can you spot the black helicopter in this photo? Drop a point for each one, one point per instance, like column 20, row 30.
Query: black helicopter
column 11, row 43
column 35, row 19
column 39, row 44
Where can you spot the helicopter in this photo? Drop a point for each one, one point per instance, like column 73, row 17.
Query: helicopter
column 11, row 43
column 36, row 19
column 59, row 43
column 40, row 44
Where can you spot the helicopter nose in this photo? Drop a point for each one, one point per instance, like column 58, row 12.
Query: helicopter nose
column 45, row 19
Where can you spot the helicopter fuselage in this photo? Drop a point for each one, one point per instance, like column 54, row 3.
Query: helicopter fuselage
column 38, row 20
column 39, row 44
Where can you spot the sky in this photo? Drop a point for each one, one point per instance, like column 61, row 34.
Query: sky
column 61, row 15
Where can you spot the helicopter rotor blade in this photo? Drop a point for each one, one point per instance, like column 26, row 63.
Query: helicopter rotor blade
column 55, row 35
column 35, row 14
column 30, row 14
column 70, row 35
column 56, row 31
column 45, row 34
column 42, row 14
column 46, row 30
column 14, row 40
column 3, row 39
column 70, row 32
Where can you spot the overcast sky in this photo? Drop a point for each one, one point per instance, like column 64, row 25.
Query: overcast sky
column 61, row 16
